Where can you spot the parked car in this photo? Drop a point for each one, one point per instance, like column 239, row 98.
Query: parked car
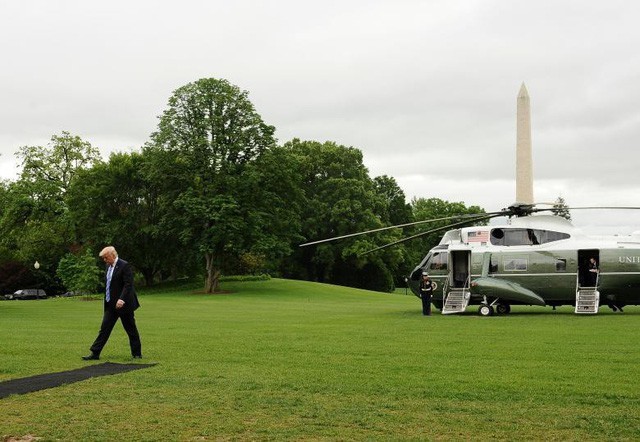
column 27, row 294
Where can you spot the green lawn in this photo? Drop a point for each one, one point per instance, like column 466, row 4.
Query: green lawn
column 289, row 360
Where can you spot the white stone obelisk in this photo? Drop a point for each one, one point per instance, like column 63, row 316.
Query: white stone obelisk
column 524, row 163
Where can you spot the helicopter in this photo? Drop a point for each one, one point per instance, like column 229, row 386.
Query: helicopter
column 532, row 259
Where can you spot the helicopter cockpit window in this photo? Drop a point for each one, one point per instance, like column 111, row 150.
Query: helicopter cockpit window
column 525, row 237
column 438, row 261
column 415, row 275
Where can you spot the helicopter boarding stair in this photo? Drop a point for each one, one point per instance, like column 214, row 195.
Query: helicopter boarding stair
column 456, row 299
column 587, row 300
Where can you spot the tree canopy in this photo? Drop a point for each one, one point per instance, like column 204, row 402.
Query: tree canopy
column 211, row 192
column 34, row 219
column 340, row 198
column 207, row 136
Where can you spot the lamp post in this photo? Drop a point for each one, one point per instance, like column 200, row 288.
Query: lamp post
column 36, row 265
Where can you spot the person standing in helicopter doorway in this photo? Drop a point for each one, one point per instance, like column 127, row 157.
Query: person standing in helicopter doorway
column 592, row 277
column 426, row 290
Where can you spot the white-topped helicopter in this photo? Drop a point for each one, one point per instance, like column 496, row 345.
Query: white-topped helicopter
column 531, row 260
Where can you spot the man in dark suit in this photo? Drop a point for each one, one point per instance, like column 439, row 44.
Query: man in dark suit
column 120, row 301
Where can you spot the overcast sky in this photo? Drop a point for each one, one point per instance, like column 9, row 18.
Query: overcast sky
column 426, row 89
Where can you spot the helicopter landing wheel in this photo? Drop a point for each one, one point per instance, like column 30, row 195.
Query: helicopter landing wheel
column 503, row 309
column 485, row 310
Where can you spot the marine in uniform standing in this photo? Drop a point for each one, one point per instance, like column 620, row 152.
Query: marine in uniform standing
column 426, row 291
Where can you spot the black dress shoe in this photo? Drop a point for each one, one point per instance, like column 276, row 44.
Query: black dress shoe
column 91, row 357
column 137, row 356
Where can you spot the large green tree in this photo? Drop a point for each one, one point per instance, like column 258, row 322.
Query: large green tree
column 206, row 137
column 340, row 198
column 34, row 222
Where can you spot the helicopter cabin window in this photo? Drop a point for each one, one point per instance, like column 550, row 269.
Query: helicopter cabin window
column 516, row 264
column 561, row 265
column 555, row 236
column 438, row 261
column 525, row 237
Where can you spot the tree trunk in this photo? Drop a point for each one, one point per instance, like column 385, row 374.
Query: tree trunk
column 148, row 276
column 212, row 284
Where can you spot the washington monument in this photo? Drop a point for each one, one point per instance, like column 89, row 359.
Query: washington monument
column 524, row 164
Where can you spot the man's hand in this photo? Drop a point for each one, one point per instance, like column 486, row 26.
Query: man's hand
column 120, row 303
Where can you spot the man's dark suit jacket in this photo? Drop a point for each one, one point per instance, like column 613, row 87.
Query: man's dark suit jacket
column 122, row 287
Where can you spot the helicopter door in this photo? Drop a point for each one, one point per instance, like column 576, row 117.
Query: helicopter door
column 587, row 278
column 456, row 295
column 459, row 265
column 587, row 295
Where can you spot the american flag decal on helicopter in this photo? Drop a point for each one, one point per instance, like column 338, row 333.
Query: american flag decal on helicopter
column 478, row 236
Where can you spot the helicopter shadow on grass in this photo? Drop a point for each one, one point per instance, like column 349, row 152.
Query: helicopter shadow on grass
column 565, row 312
column 570, row 311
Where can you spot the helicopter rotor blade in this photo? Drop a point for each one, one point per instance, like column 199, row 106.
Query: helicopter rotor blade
column 519, row 209
column 551, row 209
column 400, row 241
column 395, row 227
column 587, row 208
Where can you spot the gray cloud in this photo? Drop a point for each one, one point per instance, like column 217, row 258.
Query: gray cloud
column 427, row 90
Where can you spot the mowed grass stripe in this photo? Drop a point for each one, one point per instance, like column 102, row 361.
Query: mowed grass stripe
column 285, row 359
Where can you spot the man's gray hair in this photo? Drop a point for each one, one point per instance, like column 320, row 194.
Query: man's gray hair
column 109, row 250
